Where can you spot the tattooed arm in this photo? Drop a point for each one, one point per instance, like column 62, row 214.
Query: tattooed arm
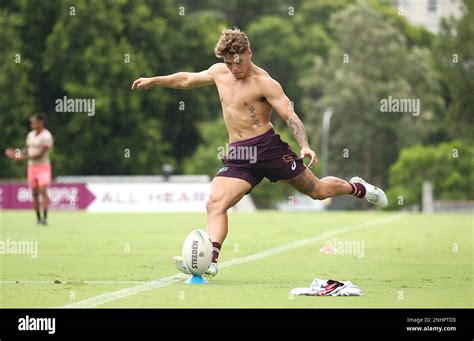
column 279, row 101
column 297, row 130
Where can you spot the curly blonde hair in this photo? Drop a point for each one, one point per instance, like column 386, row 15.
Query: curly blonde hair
column 232, row 41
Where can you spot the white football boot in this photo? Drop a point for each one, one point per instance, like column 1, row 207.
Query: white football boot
column 179, row 264
column 212, row 271
column 373, row 195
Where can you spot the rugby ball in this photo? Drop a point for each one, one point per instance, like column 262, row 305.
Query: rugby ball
column 197, row 252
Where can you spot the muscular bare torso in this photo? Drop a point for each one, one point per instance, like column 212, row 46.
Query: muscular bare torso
column 246, row 111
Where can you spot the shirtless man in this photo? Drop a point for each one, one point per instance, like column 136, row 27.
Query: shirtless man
column 248, row 94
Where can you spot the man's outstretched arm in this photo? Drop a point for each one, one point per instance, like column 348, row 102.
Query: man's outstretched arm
column 179, row 80
column 280, row 102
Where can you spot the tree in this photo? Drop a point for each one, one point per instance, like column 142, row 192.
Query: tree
column 16, row 102
column 455, row 60
column 284, row 51
column 369, row 62
column 87, row 55
column 95, row 51
column 240, row 13
column 447, row 165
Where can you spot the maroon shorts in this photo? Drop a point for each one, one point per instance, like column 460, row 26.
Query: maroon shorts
column 262, row 156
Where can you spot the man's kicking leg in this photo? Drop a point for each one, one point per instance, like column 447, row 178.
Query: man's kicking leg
column 225, row 193
column 330, row 186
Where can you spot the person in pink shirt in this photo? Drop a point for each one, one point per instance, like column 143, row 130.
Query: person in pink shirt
column 39, row 142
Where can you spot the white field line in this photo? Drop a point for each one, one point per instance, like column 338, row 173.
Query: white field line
column 115, row 295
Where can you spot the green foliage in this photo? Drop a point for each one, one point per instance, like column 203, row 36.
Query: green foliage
column 454, row 53
column 205, row 159
column 240, row 13
column 369, row 61
column 447, row 165
column 274, row 46
column 415, row 35
column 94, row 66
column 84, row 55
column 94, row 50
column 16, row 102
column 310, row 13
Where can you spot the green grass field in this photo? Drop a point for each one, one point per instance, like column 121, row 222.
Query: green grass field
column 409, row 260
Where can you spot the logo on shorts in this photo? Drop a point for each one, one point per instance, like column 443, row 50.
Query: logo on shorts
column 223, row 169
column 288, row 158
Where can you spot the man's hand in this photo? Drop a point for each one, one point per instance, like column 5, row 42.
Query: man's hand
column 12, row 154
column 308, row 152
column 142, row 83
